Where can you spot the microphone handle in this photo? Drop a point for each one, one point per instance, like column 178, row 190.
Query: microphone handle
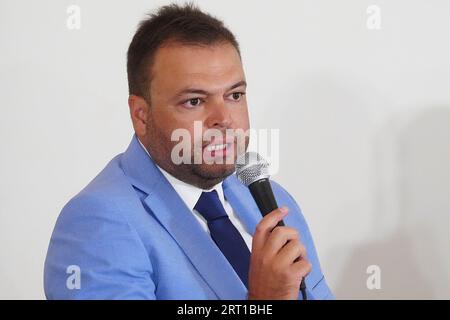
column 261, row 191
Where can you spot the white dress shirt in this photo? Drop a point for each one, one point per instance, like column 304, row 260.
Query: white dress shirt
column 190, row 195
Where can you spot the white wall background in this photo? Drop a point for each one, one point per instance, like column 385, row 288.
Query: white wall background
column 364, row 118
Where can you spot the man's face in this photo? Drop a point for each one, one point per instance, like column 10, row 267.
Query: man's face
column 197, row 83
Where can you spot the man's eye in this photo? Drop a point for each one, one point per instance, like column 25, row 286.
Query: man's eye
column 194, row 102
column 236, row 96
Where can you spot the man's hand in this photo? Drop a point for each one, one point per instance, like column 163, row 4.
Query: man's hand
column 278, row 260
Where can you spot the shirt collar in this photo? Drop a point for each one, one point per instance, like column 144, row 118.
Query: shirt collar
column 189, row 193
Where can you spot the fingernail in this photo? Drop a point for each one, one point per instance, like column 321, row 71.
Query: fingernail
column 284, row 210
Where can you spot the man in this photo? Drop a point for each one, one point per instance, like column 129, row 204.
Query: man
column 149, row 227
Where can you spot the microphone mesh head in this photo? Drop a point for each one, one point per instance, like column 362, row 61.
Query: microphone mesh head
column 250, row 167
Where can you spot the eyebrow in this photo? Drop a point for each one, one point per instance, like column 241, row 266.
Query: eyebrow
column 203, row 92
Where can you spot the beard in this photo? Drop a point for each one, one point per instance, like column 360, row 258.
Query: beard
column 218, row 170
column 212, row 171
column 205, row 174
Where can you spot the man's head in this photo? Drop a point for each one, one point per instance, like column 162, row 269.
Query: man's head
column 185, row 66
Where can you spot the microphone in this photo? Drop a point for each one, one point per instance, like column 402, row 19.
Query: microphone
column 253, row 171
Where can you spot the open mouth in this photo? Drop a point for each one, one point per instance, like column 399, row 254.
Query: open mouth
column 217, row 147
column 218, row 150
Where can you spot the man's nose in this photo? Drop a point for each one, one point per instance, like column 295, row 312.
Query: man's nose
column 219, row 115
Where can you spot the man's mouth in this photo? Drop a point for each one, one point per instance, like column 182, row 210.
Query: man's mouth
column 216, row 147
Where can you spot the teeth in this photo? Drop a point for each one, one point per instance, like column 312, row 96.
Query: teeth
column 216, row 147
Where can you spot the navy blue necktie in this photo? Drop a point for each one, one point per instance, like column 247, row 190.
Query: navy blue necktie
column 224, row 234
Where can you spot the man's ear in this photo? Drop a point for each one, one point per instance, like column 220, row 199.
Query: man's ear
column 139, row 110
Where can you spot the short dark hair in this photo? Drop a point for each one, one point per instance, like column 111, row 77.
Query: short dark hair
column 185, row 24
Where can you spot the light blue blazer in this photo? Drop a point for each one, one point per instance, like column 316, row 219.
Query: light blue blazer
column 130, row 236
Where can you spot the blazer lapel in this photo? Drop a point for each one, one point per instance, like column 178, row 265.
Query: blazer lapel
column 242, row 203
column 180, row 223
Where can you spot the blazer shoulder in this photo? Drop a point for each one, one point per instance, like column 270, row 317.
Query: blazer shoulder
column 105, row 202
column 109, row 191
column 285, row 198
column 94, row 233
column 315, row 281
